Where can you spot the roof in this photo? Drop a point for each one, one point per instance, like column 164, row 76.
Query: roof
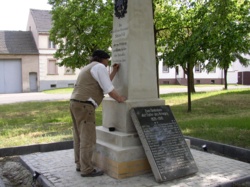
column 42, row 19
column 17, row 42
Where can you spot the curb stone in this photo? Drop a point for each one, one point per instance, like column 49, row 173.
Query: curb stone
column 233, row 152
column 22, row 150
column 229, row 151
column 41, row 179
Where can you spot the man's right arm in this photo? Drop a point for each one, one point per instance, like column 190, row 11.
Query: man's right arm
column 100, row 74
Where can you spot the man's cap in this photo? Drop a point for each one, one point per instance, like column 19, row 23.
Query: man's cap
column 101, row 54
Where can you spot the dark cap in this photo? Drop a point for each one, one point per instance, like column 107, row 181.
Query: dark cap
column 101, row 54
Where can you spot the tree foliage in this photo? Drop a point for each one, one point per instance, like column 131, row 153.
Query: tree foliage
column 188, row 32
column 208, row 32
column 80, row 27
column 228, row 33
column 180, row 42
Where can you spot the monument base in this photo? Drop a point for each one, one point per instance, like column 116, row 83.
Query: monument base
column 119, row 154
column 121, row 170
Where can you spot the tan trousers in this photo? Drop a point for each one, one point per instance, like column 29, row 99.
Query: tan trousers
column 84, row 133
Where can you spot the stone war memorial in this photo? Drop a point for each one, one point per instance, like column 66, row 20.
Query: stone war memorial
column 120, row 152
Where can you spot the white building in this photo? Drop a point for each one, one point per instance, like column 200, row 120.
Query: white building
column 51, row 75
column 237, row 74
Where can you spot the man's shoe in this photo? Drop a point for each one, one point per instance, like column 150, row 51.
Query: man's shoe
column 94, row 173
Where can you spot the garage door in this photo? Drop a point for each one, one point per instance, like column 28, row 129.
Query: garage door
column 10, row 76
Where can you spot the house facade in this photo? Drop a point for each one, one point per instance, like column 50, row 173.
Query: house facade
column 19, row 62
column 177, row 76
column 27, row 63
column 51, row 74
column 237, row 74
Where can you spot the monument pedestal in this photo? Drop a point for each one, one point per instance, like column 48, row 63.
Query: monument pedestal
column 120, row 153
column 117, row 115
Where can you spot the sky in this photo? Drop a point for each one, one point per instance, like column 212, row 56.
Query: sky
column 14, row 13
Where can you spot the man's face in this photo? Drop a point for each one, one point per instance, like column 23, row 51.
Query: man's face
column 105, row 62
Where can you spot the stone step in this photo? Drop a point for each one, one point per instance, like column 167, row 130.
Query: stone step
column 117, row 138
column 119, row 154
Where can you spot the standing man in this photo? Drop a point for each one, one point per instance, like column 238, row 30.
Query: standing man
column 92, row 83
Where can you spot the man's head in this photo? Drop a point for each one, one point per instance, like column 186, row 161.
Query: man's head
column 100, row 56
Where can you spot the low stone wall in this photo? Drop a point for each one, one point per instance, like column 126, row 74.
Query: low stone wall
column 229, row 151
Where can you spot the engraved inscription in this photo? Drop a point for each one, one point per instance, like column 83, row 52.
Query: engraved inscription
column 119, row 52
column 163, row 137
column 120, row 33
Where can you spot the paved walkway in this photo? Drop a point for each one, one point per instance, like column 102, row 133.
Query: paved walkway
column 40, row 96
column 58, row 170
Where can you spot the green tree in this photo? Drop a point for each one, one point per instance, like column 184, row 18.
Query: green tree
column 187, row 32
column 207, row 32
column 181, row 42
column 229, row 33
column 80, row 27
column 160, row 7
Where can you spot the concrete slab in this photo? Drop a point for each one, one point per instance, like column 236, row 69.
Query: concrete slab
column 57, row 169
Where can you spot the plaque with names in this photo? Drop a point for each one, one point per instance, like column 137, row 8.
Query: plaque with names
column 165, row 147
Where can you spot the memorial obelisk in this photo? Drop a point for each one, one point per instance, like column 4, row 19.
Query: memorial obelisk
column 120, row 152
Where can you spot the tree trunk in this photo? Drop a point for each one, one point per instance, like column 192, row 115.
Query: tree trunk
column 189, row 72
column 191, row 75
column 189, row 85
column 225, row 78
column 156, row 54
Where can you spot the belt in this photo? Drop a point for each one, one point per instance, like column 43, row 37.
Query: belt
column 86, row 102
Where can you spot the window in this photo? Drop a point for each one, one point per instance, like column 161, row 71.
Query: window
column 165, row 69
column 69, row 71
column 197, row 68
column 51, row 45
column 71, row 85
column 52, row 67
column 177, row 70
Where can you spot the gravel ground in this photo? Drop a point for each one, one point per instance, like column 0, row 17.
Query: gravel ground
column 13, row 173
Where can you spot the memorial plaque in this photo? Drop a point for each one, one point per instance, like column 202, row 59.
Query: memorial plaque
column 163, row 142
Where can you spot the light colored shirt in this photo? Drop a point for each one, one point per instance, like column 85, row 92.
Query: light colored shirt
column 101, row 75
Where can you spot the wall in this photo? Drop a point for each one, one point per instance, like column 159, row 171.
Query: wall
column 30, row 63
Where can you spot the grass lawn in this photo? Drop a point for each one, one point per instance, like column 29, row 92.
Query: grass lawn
column 221, row 116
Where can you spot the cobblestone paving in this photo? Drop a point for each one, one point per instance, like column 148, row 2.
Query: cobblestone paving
column 58, row 169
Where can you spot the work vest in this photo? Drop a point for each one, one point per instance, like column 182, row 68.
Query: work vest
column 87, row 87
